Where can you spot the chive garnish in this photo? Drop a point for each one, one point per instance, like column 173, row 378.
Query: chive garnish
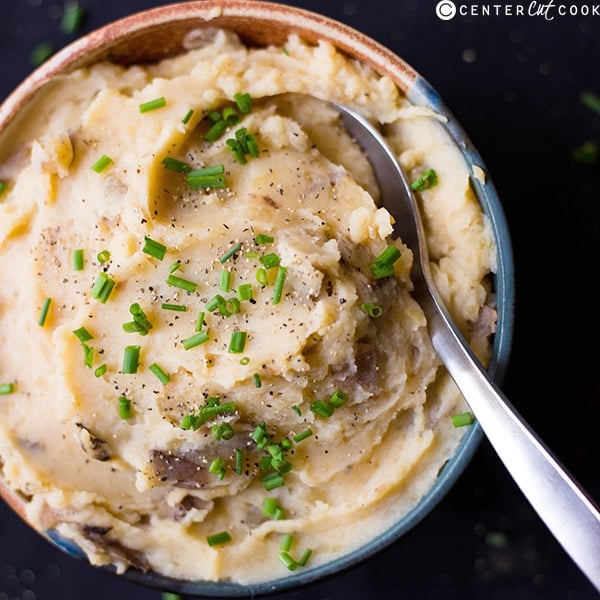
column 271, row 508
column 102, row 163
column 305, row 556
column 207, row 178
column 206, row 413
column 176, row 165
column 297, row 410
column 187, row 117
column 261, row 276
column 243, row 144
column 173, row 307
column 279, row 283
column 245, row 361
column 591, row 100
column 272, row 481
column 230, row 115
column 244, row 292
column 83, row 335
column 154, row 248
column 321, row 409
column 303, row 435
column 124, row 408
column 44, row 312
column 462, row 419
column 244, row 102
column 269, row 261
column 88, row 355
column 257, row 380
column 427, row 180
column 216, row 130
column 140, row 324
column 225, row 281
column 103, row 256
column 239, row 462
column 338, row 398
column 286, row 542
column 6, row 388
column 263, row 238
column 78, row 260
column 237, row 342
column 218, row 538
column 179, row 282
column 288, row 561
column 230, row 253
column 41, row 53
column 3, row 187
column 383, row 266
column 131, row 358
column 72, row 18
column 200, row 321
column 195, row 340
column 217, row 466
column 372, row 309
column 175, row 266
column 153, row 104
column 100, row 370
column 160, row 373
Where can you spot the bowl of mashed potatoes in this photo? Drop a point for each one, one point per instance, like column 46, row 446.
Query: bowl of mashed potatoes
column 213, row 376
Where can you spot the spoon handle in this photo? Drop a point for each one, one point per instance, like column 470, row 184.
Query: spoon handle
column 565, row 508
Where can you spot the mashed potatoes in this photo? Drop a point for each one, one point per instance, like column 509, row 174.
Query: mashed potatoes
column 209, row 344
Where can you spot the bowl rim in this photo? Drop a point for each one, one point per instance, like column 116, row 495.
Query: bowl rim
column 310, row 25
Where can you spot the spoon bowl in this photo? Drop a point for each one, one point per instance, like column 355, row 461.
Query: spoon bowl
column 563, row 505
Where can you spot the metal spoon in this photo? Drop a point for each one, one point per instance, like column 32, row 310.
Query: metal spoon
column 563, row 505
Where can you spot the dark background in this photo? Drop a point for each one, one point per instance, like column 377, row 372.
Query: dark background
column 515, row 84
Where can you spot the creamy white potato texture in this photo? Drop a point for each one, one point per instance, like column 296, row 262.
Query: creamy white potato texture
column 207, row 336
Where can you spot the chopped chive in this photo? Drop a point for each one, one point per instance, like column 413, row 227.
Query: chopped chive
column 103, row 256
column 176, row 165
column 239, row 462
column 244, row 292
column 288, row 561
column 263, row 238
column 279, row 283
column 88, row 356
column 124, row 408
column 338, row 398
column 102, row 163
column 173, row 307
column 218, row 538
column 6, row 388
column 160, row 373
column 175, row 266
column 78, row 260
column 153, row 104
column 261, row 276
column 200, row 321
column 44, row 312
column 206, row 413
column 131, row 358
column 83, row 335
column 427, row 180
column 462, row 419
column 72, row 18
column 591, row 100
column 286, row 542
column 259, row 433
column 195, row 340
column 297, row 410
column 230, row 253
column 217, row 466
column 3, row 187
column 587, row 153
column 269, row 506
column 230, row 115
column 179, row 282
column 225, row 281
column 41, row 53
column 372, row 309
column 237, row 342
column 100, row 371
column 214, row 303
column 154, row 248
column 305, row 556
column 216, row 130
column 251, row 254
column 272, row 481
column 244, row 102
column 245, row 361
column 269, row 261
column 257, row 380
column 188, row 116
column 140, row 324
column 321, row 409
column 383, row 266
column 207, row 178
column 303, row 435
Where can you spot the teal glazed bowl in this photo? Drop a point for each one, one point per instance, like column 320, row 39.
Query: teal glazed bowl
column 160, row 32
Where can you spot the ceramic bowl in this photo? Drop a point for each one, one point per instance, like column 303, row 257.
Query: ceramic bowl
column 157, row 33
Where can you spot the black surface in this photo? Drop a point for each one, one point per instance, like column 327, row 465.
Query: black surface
column 514, row 82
